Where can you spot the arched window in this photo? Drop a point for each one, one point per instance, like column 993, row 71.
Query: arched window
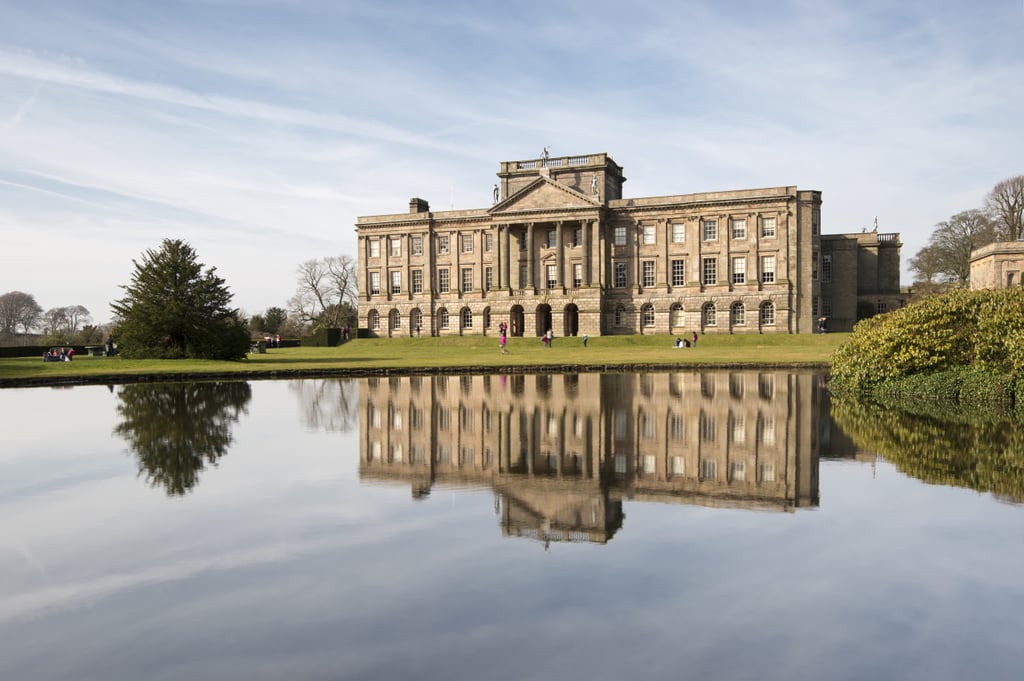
column 394, row 320
column 487, row 317
column 737, row 314
column 647, row 315
column 709, row 314
column 467, row 318
column 767, row 313
column 675, row 315
column 442, row 318
column 415, row 320
column 373, row 319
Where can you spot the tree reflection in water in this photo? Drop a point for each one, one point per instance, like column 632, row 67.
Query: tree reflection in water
column 985, row 456
column 175, row 429
column 329, row 404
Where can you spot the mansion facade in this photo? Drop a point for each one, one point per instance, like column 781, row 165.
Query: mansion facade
column 560, row 249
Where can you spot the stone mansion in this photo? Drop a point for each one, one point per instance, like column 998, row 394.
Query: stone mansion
column 561, row 249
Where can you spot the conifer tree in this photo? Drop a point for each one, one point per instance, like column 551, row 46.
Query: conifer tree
column 174, row 308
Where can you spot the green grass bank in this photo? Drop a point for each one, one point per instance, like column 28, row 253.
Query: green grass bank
column 477, row 354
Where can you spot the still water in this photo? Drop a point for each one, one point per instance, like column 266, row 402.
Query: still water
column 652, row 526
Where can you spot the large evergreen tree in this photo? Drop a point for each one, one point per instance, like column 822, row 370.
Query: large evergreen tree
column 173, row 308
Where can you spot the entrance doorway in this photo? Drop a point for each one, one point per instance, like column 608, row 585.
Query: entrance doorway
column 572, row 320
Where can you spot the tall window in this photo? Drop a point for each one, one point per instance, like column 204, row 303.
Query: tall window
column 488, row 242
column 374, row 283
column 396, row 246
column 768, row 269
column 620, row 275
column 826, row 269
column 709, row 314
column 767, row 313
column 394, row 323
column 488, row 278
column 373, row 319
column 396, row 281
column 647, row 315
column 815, row 220
column 522, row 275
column 676, row 316
column 417, row 281
column 442, row 244
column 678, row 232
column 826, row 306
column 374, row 248
column 620, row 315
column 577, row 236
column 443, row 282
column 768, row 227
column 737, row 314
column 710, row 230
column 710, row 271
column 417, row 245
column 739, row 229
column 467, row 278
column 442, row 318
column 739, row 270
column 648, row 273
column 467, row 318
column 620, row 236
column 649, row 236
column 577, row 275
column 552, row 238
column 678, row 272
column 551, row 272
column 814, row 265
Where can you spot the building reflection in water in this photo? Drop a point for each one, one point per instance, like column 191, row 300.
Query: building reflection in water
column 562, row 452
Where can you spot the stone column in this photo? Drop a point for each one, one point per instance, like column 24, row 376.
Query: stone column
column 559, row 256
column 529, row 258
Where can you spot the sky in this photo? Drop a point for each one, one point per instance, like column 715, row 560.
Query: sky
column 259, row 130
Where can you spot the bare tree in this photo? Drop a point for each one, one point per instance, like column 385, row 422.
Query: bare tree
column 949, row 249
column 1005, row 206
column 18, row 309
column 65, row 321
column 326, row 292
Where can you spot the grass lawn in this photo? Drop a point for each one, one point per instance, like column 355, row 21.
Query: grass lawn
column 458, row 352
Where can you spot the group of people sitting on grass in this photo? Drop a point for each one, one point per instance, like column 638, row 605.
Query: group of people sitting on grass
column 59, row 354
column 680, row 343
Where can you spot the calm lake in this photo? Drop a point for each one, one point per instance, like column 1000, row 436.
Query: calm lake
column 720, row 525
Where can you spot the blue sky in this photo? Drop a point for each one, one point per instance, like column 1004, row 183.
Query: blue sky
column 259, row 130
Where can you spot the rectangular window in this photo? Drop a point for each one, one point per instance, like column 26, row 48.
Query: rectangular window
column 577, row 275
column 620, row 236
column 815, row 220
column 767, row 269
column 374, row 248
column 711, row 230
column 678, row 466
column 738, row 471
column 648, row 273
column 374, row 283
column 443, row 281
column 649, row 237
column 522, row 276
column 710, row 271
column 881, row 308
column 442, row 244
column 488, row 242
column 488, row 278
column 396, row 281
column 620, row 275
column 826, row 307
column 396, row 246
column 552, row 272
column 814, row 265
column 417, row 281
column 467, row 243
column 552, row 238
column 577, row 237
column 768, row 227
column 678, row 272
column 467, row 278
column 676, row 427
column 739, row 229
column 678, row 232
column 739, row 270
column 708, row 469
column 417, row 245
column 826, row 269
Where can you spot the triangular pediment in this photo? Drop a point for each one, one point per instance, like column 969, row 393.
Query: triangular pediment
column 544, row 195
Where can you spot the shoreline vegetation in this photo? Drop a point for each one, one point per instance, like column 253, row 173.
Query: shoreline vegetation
column 444, row 355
